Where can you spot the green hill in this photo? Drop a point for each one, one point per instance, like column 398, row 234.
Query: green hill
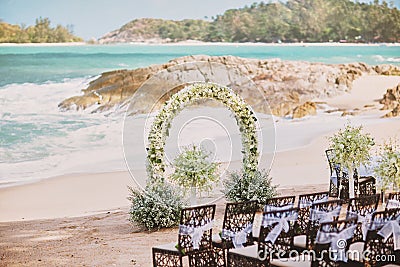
column 289, row 21
column 41, row 32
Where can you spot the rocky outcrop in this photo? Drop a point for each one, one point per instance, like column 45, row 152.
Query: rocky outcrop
column 139, row 30
column 350, row 113
column 391, row 101
column 391, row 98
column 386, row 69
column 110, row 89
column 306, row 109
column 394, row 113
column 285, row 85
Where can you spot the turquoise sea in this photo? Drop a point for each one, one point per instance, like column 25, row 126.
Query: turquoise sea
column 39, row 64
column 38, row 141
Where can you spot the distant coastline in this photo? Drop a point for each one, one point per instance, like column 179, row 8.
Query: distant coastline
column 200, row 43
column 44, row 44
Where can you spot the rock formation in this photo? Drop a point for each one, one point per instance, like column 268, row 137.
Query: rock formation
column 394, row 113
column 308, row 108
column 286, row 85
column 386, row 69
column 391, row 101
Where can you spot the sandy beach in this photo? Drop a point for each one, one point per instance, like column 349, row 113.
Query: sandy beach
column 82, row 219
column 328, row 44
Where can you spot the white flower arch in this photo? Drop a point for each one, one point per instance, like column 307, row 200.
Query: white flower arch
column 245, row 118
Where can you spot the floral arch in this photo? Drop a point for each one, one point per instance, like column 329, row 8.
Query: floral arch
column 245, row 118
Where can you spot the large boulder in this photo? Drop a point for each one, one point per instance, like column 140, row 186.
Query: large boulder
column 306, row 109
column 269, row 86
column 391, row 98
column 391, row 101
column 110, row 89
column 394, row 113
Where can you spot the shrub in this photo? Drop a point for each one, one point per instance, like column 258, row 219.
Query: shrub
column 245, row 187
column 159, row 206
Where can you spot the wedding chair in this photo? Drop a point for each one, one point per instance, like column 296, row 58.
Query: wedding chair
column 194, row 235
column 366, row 185
column 319, row 212
column 393, row 201
column 276, row 239
column 335, row 236
column 382, row 244
column 203, row 258
column 362, row 208
column 304, row 204
column 237, row 229
column 331, row 246
column 363, row 185
column 339, row 180
column 275, row 203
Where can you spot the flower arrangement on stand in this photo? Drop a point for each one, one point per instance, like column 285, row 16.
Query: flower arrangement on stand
column 194, row 171
column 352, row 148
column 387, row 169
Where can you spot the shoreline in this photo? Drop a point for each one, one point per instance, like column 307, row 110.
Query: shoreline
column 299, row 44
column 200, row 43
column 42, row 44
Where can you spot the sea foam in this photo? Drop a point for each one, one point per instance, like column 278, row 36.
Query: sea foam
column 37, row 140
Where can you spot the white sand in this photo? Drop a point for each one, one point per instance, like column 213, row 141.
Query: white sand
column 65, row 196
column 330, row 44
column 367, row 90
column 44, row 44
column 299, row 160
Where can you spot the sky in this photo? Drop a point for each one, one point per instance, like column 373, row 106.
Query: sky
column 94, row 18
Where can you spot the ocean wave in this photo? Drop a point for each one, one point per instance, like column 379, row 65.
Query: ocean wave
column 37, row 140
column 380, row 58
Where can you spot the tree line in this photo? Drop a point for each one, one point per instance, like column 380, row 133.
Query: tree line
column 41, row 32
column 288, row 21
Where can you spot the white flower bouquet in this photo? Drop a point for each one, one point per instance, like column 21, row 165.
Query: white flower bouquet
column 388, row 166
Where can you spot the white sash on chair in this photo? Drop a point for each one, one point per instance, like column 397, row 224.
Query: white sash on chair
column 391, row 228
column 282, row 224
column 393, row 204
column 196, row 233
column 337, row 241
column 238, row 238
column 323, row 216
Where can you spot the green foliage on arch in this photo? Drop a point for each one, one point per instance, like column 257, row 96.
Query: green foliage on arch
column 159, row 132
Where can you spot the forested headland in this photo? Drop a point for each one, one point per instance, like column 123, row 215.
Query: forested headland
column 41, row 32
column 286, row 21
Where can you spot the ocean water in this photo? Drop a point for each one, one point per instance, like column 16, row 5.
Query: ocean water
column 37, row 140
column 40, row 64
